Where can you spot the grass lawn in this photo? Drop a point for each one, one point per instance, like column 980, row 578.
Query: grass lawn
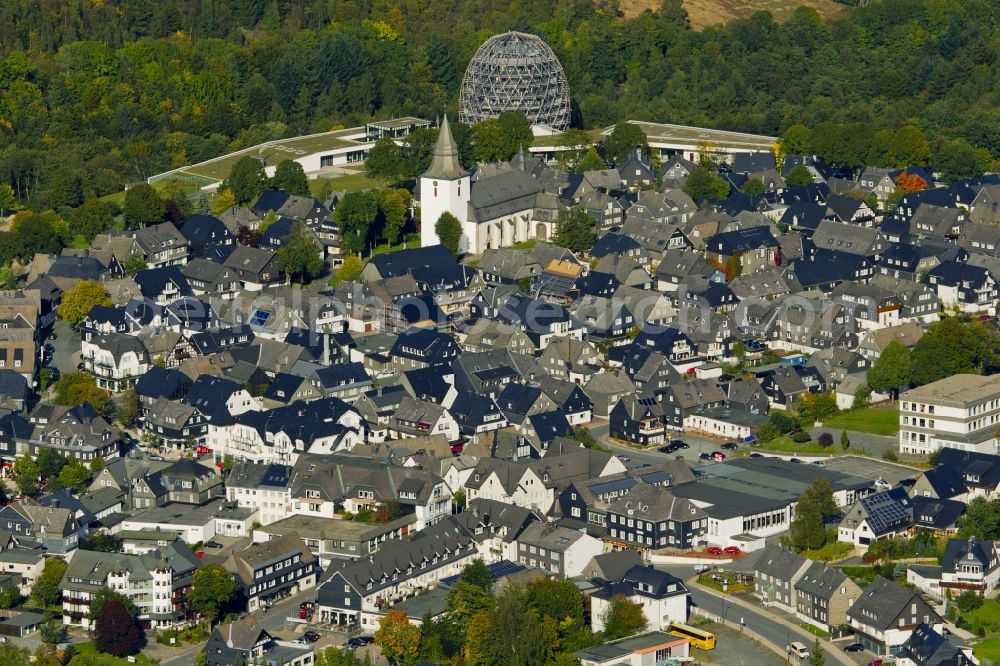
column 784, row 444
column 988, row 651
column 872, row 420
column 985, row 618
column 831, row 551
column 351, row 183
column 89, row 651
column 815, row 631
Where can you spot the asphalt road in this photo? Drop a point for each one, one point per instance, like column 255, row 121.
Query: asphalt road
column 759, row 623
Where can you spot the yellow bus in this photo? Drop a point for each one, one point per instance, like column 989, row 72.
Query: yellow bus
column 698, row 637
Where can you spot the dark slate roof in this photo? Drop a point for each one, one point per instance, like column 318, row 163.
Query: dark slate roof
column 431, row 265
column 204, row 229
column 821, row 580
column 749, row 162
column 518, row 398
column 826, row 267
column 612, row 243
column 741, row 240
column 936, row 514
column 946, row 480
column 76, row 267
column 273, row 235
column 270, row 200
column 162, row 382
column 953, row 273
column 222, row 339
column 804, row 215
column 926, row 647
column 656, row 584
column 283, row 387
column 598, row 284
column 471, row 410
column 549, row 425
column 428, row 383
column 152, row 281
column 985, row 468
column 342, row 374
column 778, row 562
column 882, row 602
column 208, row 394
column 957, row 551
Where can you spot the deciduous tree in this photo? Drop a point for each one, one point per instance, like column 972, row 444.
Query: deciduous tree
column 116, row 631
column 77, row 388
column 703, row 184
column 624, row 138
column 348, row 271
column 47, row 590
column 80, row 300
column 799, row 176
column 247, row 180
column 574, row 230
column 354, row 215
column 399, row 640
column 290, row 177
column 212, row 589
column 143, row 206
column 385, row 160
column 891, row 371
column 299, row 256
column 623, row 617
column 449, row 232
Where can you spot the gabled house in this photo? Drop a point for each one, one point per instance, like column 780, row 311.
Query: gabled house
column 970, row 565
column 664, row 598
column 776, row 574
column 884, row 515
column 886, row 614
column 269, row 571
column 637, row 421
column 823, row 594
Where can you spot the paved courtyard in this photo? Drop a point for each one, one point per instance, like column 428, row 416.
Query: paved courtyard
column 871, row 468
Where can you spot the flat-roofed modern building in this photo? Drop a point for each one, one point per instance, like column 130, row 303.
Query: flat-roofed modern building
column 959, row 412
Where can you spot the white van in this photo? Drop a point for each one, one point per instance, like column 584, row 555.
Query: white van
column 702, row 568
column 798, row 649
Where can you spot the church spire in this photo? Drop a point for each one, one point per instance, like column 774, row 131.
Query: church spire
column 445, row 165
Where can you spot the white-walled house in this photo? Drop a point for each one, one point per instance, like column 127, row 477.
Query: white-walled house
column 664, row 598
column 115, row 360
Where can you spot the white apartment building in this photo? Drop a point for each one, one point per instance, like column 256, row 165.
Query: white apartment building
column 154, row 582
column 960, row 412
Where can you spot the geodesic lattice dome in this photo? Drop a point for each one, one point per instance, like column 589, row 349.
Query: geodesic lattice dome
column 515, row 72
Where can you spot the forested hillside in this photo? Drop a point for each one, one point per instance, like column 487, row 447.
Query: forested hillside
column 98, row 93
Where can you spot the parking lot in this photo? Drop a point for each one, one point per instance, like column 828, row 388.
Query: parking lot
column 871, row 468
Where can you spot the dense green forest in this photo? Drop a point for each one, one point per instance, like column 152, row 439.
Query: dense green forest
column 98, row 93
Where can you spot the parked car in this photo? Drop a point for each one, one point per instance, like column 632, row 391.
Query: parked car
column 877, row 661
column 202, row 450
column 854, row 647
column 704, row 456
column 311, row 636
column 795, row 460
column 718, row 456
column 730, row 446
column 213, row 544
column 667, row 448
column 756, row 455
column 624, row 459
column 714, row 550
column 680, row 443
column 732, row 550
column 702, row 568
column 360, row 641
column 819, row 463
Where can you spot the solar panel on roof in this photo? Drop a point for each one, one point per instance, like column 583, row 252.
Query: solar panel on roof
column 260, row 317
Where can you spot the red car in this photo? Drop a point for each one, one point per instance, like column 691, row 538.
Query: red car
column 732, row 550
column 202, row 450
column 877, row 661
column 714, row 550
column 718, row 456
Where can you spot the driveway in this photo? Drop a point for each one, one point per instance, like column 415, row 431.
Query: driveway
column 875, row 445
column 66, row 347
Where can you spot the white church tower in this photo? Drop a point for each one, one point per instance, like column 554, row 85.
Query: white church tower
column 445, row 187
